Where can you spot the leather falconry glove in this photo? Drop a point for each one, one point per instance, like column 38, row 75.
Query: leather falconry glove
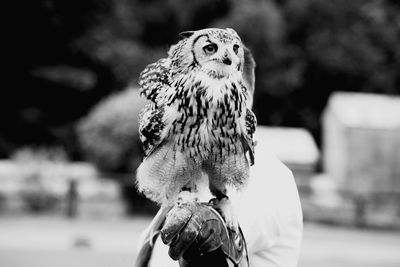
column 197, row 234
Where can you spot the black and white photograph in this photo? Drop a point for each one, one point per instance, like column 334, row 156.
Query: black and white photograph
column 171, row 133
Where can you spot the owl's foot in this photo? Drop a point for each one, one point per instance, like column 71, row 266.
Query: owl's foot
column 225, row 208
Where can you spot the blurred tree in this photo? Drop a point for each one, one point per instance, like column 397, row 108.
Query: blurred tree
column 345, row 45
column 49, row 83
column 306, row 49
column 109, row 135
column 66, row 56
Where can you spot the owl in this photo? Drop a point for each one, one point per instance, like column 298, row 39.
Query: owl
column 198, row 122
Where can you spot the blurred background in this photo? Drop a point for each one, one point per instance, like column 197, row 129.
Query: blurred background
column 327, row 102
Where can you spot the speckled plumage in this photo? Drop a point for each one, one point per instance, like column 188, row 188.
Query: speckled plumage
column 198, row 119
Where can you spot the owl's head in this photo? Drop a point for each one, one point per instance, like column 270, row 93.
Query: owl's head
column 217, row 52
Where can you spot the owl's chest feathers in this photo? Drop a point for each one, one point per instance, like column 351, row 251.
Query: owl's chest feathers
column 208, row 116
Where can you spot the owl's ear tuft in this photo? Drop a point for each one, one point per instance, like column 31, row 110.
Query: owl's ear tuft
column 186, row 34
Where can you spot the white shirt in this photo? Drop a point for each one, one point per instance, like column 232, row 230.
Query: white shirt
column 269, row 213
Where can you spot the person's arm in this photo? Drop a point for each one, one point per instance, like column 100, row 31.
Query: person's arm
column 270, row 214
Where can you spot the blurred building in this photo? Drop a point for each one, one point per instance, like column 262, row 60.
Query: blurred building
column 42, row 186
column 361, row 142
column 295, row 147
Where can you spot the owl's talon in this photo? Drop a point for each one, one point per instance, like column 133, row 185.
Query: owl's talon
column 225, row 208
column 212, row 202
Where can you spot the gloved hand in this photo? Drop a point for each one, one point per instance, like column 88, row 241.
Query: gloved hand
column 193, row 229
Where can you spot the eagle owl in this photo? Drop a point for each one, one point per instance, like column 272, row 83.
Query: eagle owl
column 198, row 120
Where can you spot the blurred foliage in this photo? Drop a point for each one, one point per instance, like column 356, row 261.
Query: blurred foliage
column 66, row 56
column 109, row 135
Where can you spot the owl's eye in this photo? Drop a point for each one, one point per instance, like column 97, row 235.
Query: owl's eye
column 210, row 49
column 236, row 48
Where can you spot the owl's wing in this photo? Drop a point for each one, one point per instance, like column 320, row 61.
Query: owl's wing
column 248, row 75
column 154, row 83
column 154, row 80
column 151, row 127
column 247, row 139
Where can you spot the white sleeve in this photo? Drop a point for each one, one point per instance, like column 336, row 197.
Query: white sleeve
column 270, row 214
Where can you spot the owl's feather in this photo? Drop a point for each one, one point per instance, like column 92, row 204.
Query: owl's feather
column 151, row 127
column 154, row 80
column 251, row 122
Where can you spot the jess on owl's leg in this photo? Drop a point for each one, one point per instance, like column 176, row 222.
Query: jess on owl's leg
column 224, row 206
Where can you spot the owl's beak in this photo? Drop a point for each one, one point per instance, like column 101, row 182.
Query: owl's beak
column 227, row 59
